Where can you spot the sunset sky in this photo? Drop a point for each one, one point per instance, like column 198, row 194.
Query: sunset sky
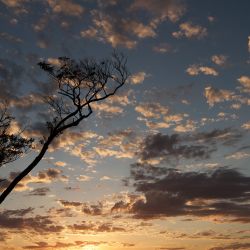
column 162, row 165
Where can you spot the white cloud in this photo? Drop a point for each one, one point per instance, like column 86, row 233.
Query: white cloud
column 138, row 77
column 246, row 125
column 162, row 48
column 117, row 30
column 219, row 59
column 188, row 127
column 245, row 82
column 194, row 70
column 190, row 30
column 66, row 7
column 84, row 178
column 105, row 178
column 214, row 95
column 60, row 164
column 151, row 110
column 238, row 155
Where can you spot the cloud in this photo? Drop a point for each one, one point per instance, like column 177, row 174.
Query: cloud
column 70, row 204
column 18, row 212
column 117, row 30
column 3, row 236
column 151, row 110
column 198, row 145
column 222, row 192
column 18, row 220
column 190, row 30
column 171, row 248
column 27, row 102
column 119, row 144
column 220, row 60
column 194, row 70
column 188, row 127
column 123, row 99
column 13, row 3
column 66, row 7
column 245, row 83
column 107, row 110
column 248, row 44
column 141, row 30
column 96, row 227
column 88, row 156
column 105, row 178
column 162, row 48
column 60, row 164
column 138, row 77
column 10, row 38
column 211, row 19
column 214, row 95
column 232, row 246
column 93, row 209
column 45, row 245
column 246, row 125
column 238, row 155
column 45, row 176
column 89, row 33
column 168, row 120
column 16, row 5
column 39, row 191
column 72, row 138
column 84, row 178
column 11, row 74
column 168, row 9
column 84, row 207
column 173, row 146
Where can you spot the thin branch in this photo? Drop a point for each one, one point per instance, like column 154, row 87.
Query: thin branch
column 79, row 85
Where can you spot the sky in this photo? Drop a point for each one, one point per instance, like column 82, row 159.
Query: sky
column 163, row 164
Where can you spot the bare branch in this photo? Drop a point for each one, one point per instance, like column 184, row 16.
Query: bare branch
column 79, row 85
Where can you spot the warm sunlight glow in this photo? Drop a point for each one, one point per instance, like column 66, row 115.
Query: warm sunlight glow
column 90, row 248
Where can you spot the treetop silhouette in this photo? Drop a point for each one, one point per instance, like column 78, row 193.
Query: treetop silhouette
column 12, row 146
column 79, row 84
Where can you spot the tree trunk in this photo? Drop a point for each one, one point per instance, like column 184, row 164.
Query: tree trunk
column 19, row 177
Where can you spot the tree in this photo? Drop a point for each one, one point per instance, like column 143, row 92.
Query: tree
column 12, row 146
column 79, row 84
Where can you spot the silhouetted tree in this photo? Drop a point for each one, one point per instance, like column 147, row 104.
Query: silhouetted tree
column 79, row 85
column 12, row 146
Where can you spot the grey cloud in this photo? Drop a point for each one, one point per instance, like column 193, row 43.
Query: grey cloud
column 189, row 146
column 90, row 209
column 45, row 245
column 58, row 244
column 232, row 246
column 10, row 78
column 226, row 136
column 93, row 209
column 39, row 191
column 96, row 227
column 15, row 219
column 18, row 212
column 169, row 192
column 45, row 176
column 159, row 145
column 170, row 9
